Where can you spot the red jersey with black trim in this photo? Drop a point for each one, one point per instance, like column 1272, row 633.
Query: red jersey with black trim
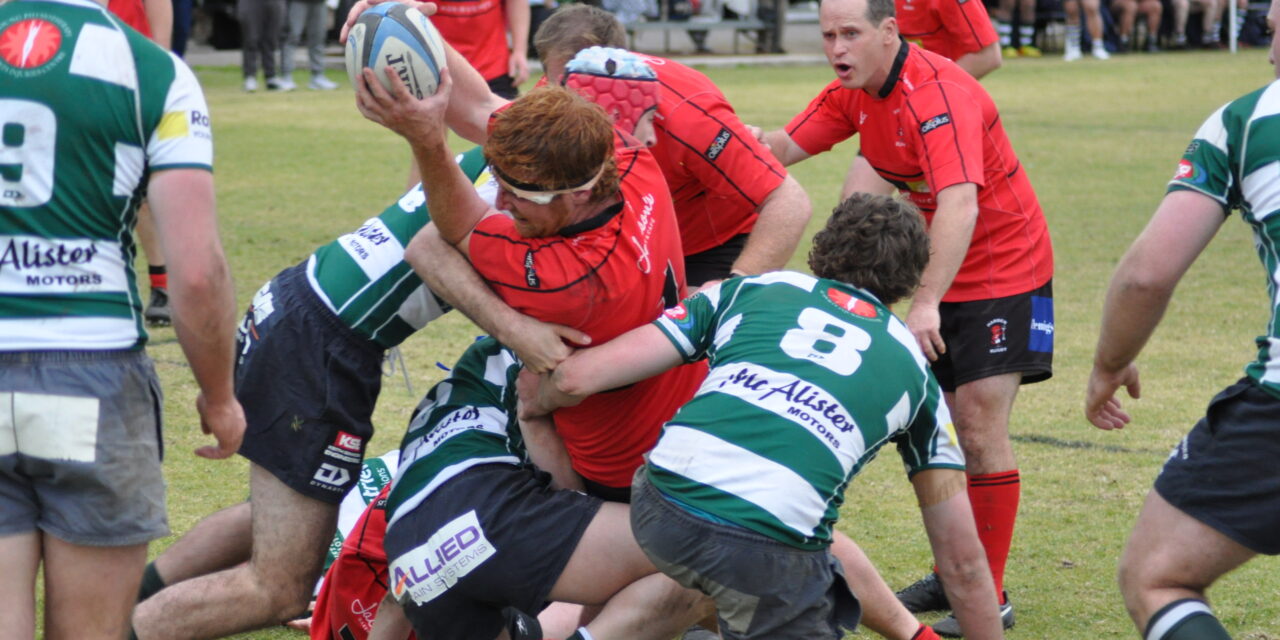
column 603, row 276
column 951, row 28
column 132, row 13
column 478, row 30
column 718, row 173
column 356, row 581
column 932, row 126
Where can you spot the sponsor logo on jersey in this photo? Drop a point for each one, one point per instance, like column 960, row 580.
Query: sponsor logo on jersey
column 330, row 477
column 788, row 396
column 934, row 122
column 373, row 477
column 854, row 305
column 530, row 273
column 997, row 334
column 455, row 550
column 349, row 442
column 30, row 44
column 29, row 255
column 1189, row 171
column 677, row 313
column 718, row 144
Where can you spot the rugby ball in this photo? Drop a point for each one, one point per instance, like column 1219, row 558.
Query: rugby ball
column 393, row 35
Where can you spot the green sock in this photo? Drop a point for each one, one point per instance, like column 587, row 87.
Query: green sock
column 152, row 583
column 1187, row 619
column 1201, row 627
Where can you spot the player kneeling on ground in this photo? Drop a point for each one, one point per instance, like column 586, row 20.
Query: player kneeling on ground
column 473, row 533
column 809, row 378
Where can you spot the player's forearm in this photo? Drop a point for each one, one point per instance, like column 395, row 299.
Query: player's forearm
column 548, row 453
column 862, row 178
column 1133, row 309
column 980, row 63
column 949, row 236
column 962, row 563
column 471, row 102
column 450, row 275
column 783, row 147
column 451, row 198
column 783, row 216
column 160, row 19
column 518, row 19
column 638, row 354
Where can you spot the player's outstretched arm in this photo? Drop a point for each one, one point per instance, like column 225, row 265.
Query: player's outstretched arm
column 204, row 304
column 450, row 275
column 640, row 353
column 961, row 561
column 1139, row 293
column 949, row 236
column 783, row 147
column 782, row 218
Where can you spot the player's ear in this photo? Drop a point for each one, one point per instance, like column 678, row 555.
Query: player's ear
column 889, row 28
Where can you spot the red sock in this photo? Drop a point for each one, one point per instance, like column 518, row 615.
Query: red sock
column 994, row 497
column 159, row 277
column 925, row 633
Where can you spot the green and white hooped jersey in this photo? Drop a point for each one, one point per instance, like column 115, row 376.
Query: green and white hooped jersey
column 88, row 110
column 363, row 278
column 809, row 378
column 1235, row 159
column 467, row 419
column 375, row 473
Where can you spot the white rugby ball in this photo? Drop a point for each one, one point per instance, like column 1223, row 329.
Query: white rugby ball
column 393, row 35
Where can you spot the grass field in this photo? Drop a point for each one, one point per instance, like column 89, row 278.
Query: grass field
column 1099, row 141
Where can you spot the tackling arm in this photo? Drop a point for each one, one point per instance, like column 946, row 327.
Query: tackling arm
column 782, row 218
column 949, row 234
column 204, row 303
column 447, row 272
column 1139, row 293
column 640, row 353
column 961, row 561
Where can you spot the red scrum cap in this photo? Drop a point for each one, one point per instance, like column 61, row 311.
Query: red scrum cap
column 616, row 79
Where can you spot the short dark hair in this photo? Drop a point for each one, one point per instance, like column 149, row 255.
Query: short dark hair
column 873, row 242
column 554, row 138
column 574, row 27
column 878, row 10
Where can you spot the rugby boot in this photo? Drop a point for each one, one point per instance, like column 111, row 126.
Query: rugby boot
column 925, row 594
column 949, row 627
column 158, row 313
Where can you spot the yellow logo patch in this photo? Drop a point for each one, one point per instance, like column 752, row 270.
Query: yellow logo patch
column 173, row 125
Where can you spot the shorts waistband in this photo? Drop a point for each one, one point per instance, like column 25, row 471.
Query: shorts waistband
column 59, row 357
column 294, row 287
column 673, row 509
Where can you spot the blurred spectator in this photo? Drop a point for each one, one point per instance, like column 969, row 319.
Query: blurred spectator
column 1181, row 12
column 1093, row 19
column 1126, row 12
column 958, row 29
column 479, row 30
column 1019, row 14
column 306, row 16
column 261, row 23
column 539, row 10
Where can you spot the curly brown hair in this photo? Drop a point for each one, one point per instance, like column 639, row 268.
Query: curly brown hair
column 556, row 139
column 874, row 242
column 574, row 27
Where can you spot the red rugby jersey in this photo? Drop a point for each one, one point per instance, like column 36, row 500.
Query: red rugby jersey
column 951, row 28
column 132, row 13
column 718, row 173
column 478, row 30
column 929, row 127
column 603, row 276
column 356, row 582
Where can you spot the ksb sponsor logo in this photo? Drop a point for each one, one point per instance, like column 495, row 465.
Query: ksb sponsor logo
column 426, row 572
column 349, row 442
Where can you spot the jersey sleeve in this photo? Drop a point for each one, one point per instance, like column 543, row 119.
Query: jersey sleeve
column 708, row 140
column 183, row 139
column 968, row 26
column 929, row 441
column 1205, row 166
column 827, row 120
column 691, row 325
column 945, row 123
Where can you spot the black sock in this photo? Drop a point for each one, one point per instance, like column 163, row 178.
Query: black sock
column 152, row 583
column 1187, row 619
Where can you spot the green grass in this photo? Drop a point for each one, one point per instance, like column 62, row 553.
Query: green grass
column 1099, row 141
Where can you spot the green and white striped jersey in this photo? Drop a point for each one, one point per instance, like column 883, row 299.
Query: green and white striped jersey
column 1235, row 159
column 363, row 278
column 809, row 378
column 467, row 419
column 88, row 110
